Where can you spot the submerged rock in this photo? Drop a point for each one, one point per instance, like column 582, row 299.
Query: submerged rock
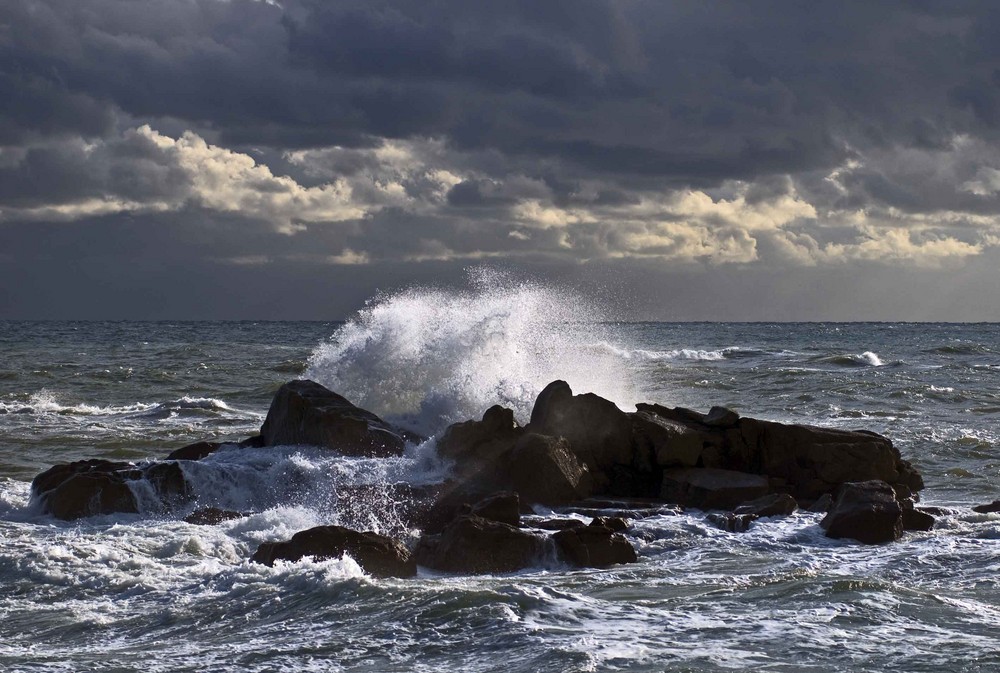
column 377, row 555
column 775, row 504
column 304, row 412
column 210, row 516
column 732, row 522
column 866, row 511
column 988, row 508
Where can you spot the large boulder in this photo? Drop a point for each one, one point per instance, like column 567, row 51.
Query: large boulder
column 90, row 487
column 709, row 488
column 598, row 431
column 377, row 555
column 593, row 546
column 866, row 511
column 304, row 412
column 774, row 504
column 474, row 545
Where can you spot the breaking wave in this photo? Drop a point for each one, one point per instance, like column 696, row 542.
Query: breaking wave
column 427, row 357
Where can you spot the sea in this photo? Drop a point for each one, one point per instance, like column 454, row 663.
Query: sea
column 148, row 592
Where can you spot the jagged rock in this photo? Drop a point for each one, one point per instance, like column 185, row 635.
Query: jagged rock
column 195, row 451
column 775, row 504
column 707, row 488
column 377, row 555
column 543, row 470
column 304, row 412
column 732, row 522
column 210, row 516
column 615, row 523
column 480, row 440
column 473, row 545
column 667, row 443
column 721, row 417
column 85, row 488
column 599, row 433
column 504, row 507
column 865, row 511
column 917, row 519
column 988, row 508
column 594, row 547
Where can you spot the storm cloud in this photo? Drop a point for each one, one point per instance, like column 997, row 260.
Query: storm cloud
column 364, row 144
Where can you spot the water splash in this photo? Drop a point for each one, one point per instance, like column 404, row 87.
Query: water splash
column 428, row 357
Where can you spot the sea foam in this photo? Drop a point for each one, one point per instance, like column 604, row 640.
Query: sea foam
column 428, row 357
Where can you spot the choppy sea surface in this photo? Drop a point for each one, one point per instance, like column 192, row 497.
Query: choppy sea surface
column 148, row 592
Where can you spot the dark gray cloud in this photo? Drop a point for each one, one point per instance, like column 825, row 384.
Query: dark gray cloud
column 724, row 138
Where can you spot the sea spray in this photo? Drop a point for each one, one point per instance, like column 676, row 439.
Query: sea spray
column 427, row 357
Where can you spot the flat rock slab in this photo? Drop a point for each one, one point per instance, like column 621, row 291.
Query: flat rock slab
column 707, row 488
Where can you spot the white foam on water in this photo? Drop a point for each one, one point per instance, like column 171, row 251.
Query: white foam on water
column 429, row 357
column 872, row 359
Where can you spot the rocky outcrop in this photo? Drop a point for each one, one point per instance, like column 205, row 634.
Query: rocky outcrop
column 304, row 412
column 90, row 487
column 543, row 469
column 377, row 555
column 504, row 507
column 866, row 511
column 474, row 545
column 480, row 441
column 593, row 547
column 195, row 451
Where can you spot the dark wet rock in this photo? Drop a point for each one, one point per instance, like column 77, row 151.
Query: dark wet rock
column 544, row 470
column 667, row 443
column 553, row 524
column 255, row 442
column 936, row 511
column 304, row 412
column 865, row 511
column 473, row 545
column 774, row 504
column 377, row 555
column 822, row 504
column 599, row 433
column 711, row 488
column 615, row 523
column 91, row 487
column 732, row 522
column 916, row 519
column 210, row 516
column 988, row 508
column 802, row 460
column 86, row 488
column 504, row 507
column 593, row 547
column 195, row 451
column 480, row 440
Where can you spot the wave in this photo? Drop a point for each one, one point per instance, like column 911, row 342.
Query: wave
column 866, row 359
column 427, row 357
column 46, row 403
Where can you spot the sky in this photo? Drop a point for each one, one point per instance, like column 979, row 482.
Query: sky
column 287, row 159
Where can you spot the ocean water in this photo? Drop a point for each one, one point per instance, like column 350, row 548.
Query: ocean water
column 148, row 592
